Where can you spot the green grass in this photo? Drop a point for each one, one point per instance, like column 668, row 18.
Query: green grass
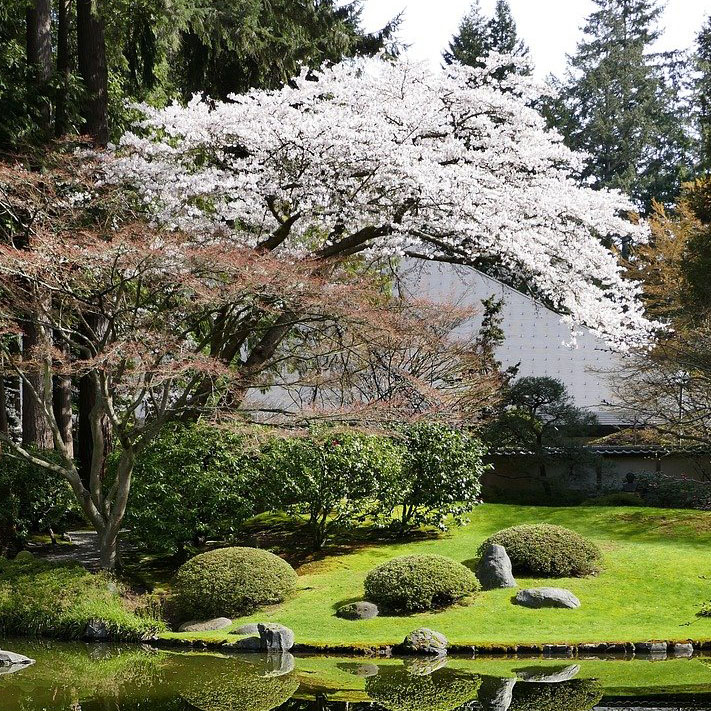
column 39, row 598
column 657, row 572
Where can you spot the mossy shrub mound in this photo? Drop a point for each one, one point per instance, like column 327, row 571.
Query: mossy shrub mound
column 443, row 690
column 575, row 695
column 413, row 583
column 547, row 550
column 232, row 582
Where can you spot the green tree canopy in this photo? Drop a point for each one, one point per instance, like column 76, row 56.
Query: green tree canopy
column 620, row 103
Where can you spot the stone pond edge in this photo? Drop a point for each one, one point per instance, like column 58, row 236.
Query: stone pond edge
column 647, row 649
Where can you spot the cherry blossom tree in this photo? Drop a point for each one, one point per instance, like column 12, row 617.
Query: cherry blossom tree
column 389, row 159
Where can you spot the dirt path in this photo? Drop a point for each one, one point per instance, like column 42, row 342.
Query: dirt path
column 83, row 548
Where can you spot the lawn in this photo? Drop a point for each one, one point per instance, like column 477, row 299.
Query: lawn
column 657, row 572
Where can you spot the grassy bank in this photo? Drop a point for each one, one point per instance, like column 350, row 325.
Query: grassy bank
column 38, row 598
column 657, row 573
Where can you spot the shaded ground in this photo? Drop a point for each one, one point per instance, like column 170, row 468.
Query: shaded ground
column 80, row 546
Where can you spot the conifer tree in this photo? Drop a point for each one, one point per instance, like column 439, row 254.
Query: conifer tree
column 703, row 95
column 620, row 103
column 477, row 36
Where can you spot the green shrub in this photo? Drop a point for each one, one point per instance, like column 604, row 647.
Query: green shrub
column 438, row 480
column 615, row 498
column 331, row 476
column 40, row 598
column 674, row 492
column 547, row 550
column 575, row 695
column 443, row 690
column 193, row 483
column 31, row 500
column 232, row 582
column 413, row 583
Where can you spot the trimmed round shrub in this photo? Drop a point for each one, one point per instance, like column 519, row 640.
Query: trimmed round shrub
column 231, row 582
column 547, row 550
column 575, row 695
column 413, row 583
column 443, row 690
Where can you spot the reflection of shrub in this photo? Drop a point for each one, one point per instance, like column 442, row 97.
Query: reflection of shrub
column 236, row 685
column 575, row 695
column 57, row 600
column 616, row 498
column 443, row 690
column 419, row 582
column 231, row 582
column 543, row 549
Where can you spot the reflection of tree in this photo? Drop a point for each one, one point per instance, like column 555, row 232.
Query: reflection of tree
column 236, row 684
column 443, row 690
column 67, row 674
column 575, row 695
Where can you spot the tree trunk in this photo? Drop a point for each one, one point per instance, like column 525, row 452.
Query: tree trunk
column 61, row 122
column 63, row 409
column 39, row 51
column 4, row 418
column 35, row 428
column 91, row 50
column 84, row 450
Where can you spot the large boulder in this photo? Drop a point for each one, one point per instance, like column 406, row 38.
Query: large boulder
column 249, row 628
column 494, row 568
column 358, row 611
column 425, row 641
column 270, row 637
column 547, row 597
column 275, row 638
column 213, row 625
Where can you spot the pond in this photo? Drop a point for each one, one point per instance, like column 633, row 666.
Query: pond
column 82, row 677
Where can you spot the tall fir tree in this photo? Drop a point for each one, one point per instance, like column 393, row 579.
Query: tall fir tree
column 477, row 36
column 621, row 104
column 471, row 43
column 703, row 96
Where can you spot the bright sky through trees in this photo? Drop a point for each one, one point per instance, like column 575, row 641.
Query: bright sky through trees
column 551, row 28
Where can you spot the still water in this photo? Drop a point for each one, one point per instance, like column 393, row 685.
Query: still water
column 81, row 677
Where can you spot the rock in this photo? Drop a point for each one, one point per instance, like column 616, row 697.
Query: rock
column 548, row 676
column 217, row 623
column 96, row 631
column 653, row 649
column 426, row 665
column 275, row 638
column 11, row 659
column 494, row 568
column 358, row 611
column 426, row 641
column 547, row 597
column 495, row 694
column 249, row 628
column 683, row 649
column 551, row 651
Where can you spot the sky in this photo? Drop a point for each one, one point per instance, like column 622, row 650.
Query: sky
column 551, row 28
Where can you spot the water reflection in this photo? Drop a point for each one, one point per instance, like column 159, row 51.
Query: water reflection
column 81, row 677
